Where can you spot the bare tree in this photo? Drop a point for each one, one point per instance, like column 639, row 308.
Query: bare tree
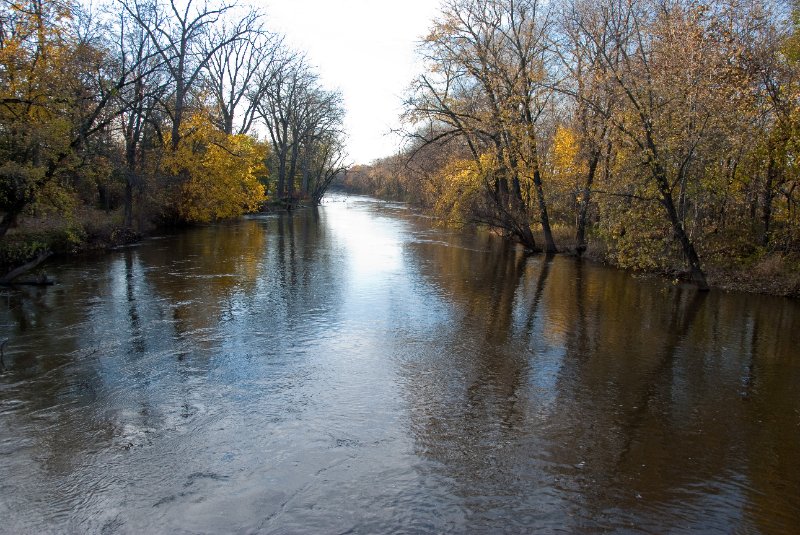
column 184, row 37
column 280, row 94
column 321, row 141
column 239, row 72
column 139, row 101
column 316, row 129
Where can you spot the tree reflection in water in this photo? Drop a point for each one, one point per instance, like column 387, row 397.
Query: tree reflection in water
column 356, row 368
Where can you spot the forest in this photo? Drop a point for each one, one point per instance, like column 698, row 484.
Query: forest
column 655, row 135
column 120, row 117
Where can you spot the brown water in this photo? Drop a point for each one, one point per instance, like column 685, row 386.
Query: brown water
column 356, row 370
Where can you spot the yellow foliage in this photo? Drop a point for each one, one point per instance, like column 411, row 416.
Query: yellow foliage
column 220, row 172
column 456, row 187
column 565, row 152
column 40, row 88
column 567, row 174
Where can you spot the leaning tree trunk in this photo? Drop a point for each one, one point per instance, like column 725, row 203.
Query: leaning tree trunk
column 696, row 273
column 510, row 211
column 659, row 174
column 9, row 277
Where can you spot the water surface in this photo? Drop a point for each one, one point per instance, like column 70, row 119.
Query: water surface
column 357, row 370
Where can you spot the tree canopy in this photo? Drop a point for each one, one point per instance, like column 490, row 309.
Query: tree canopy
column 660, row 134
column 152, row 111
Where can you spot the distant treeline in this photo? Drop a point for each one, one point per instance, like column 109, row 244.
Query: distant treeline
column 656, row 134
column 116, row 117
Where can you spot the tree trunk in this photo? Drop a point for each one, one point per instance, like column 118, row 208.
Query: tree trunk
column 305, row 174
column 580, row 236
column 659, row 175
column 695, row 269
column 281, row 187
column 180, row 96
column 24, row 268
column 501, row 179
column 527, row 239
column 127, row 220
column 769, row 194
column 130, row 179
column 227, row 120
column 549, row 243
column 290, row 176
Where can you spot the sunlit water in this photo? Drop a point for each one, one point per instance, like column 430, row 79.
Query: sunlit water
column 358, row 370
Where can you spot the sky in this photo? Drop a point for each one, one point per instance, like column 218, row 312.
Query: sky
column 364, row 48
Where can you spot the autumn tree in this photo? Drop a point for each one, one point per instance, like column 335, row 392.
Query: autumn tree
column 96, row 101
column 668, row 63
column 222, row 172
column 58, row 94
column 183, row 34
column 487, row 84
column 667, row 128
column 771, row 63
column 585, row 141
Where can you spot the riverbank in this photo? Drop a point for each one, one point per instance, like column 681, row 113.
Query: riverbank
column 56, row 235
column 767, row 274
column 761, row 273
column 770, row 276
column 99, row 231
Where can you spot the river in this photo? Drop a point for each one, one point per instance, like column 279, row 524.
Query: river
column 356, row 369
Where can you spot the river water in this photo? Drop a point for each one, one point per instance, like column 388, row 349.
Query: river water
column 357, row 370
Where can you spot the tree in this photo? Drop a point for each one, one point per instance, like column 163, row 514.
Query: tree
column 58, row 90
column 141, row 116
column 586, row 82
column 487, row 85
column 668, row 63
column 325, row 164
column 771, row 63
column 184, row 38
column 280, row 91
column 304, row 122
column 222, row 172
column 239, row 72
column 318, row 135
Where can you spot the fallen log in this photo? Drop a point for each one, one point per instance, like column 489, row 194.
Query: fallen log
column 8, row 278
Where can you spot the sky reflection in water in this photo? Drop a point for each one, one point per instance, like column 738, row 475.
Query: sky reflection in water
column 355, row 368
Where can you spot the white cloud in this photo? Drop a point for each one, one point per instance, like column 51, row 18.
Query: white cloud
column 364, row 48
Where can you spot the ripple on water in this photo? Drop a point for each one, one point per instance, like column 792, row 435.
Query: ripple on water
column 359, row 370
